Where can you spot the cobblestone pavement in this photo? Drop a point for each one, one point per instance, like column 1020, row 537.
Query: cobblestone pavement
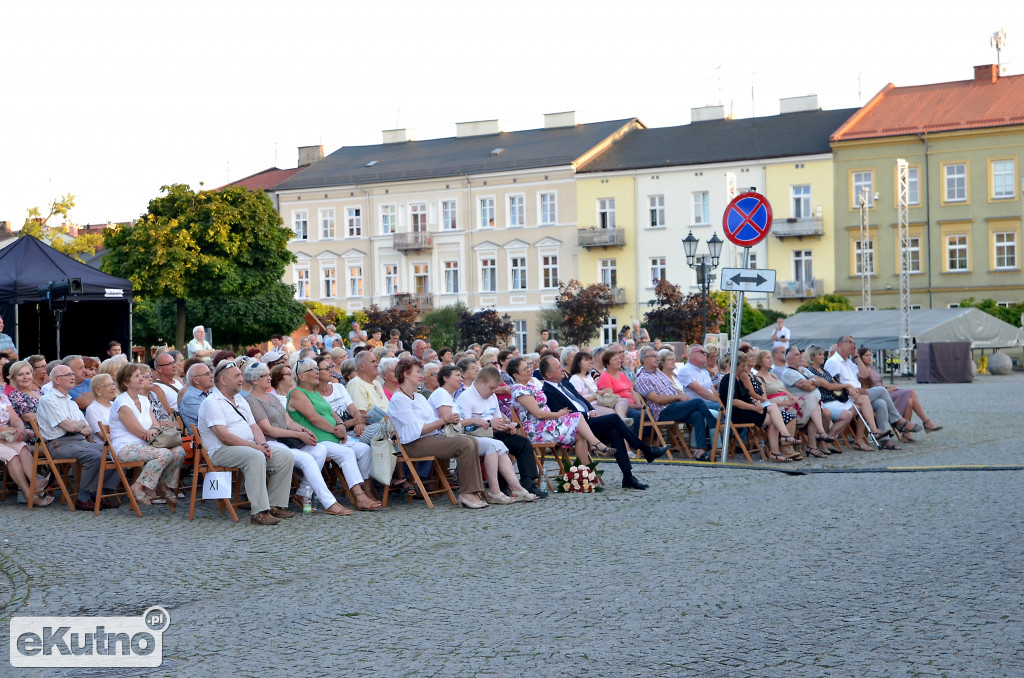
column 712, row 572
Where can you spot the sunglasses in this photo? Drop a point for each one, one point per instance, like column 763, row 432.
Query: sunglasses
column 224, row 366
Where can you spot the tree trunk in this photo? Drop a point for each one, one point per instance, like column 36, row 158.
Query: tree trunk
column 179, row 331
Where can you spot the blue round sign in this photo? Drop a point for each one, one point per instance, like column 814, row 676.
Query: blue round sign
column 747, row 219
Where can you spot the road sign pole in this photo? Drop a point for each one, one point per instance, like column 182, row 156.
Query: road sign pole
column 734, row 343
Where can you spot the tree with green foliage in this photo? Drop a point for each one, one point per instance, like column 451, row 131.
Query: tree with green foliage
column 827, row 302
column 676, row 317
column 484, row 327
column 753, row 318
column 550, row 319
column 771, row 315
column 442, row 325
column 584, row 310
column 39, row 227
column 210, row 247
column 1008, row 314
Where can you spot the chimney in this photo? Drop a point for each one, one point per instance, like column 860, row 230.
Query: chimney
column 397, row 136
column 310, row 154
column 705, row 113
column 477, row 128
column 563, row 119
column 5, row 229
column 987, row 73
column 796, row 104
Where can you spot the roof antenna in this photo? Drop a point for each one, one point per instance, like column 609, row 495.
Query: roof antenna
column 998, row 40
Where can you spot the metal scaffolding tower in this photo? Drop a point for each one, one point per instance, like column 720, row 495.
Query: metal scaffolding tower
column 903, row 230
column 867, row 254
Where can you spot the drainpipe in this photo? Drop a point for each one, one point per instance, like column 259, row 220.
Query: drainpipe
column 927, row 216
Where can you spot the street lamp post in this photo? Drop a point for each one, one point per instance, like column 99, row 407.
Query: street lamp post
column 703, row 268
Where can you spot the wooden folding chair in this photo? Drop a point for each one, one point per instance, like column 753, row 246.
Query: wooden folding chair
column 203, row 464
column 648, row 424
column 7, row 483
column 110, row 461
column 60, row 468
column 734, row 437
column 437, row 475
column 559, row 453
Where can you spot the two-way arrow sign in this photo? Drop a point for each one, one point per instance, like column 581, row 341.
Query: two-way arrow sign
column 748, row 280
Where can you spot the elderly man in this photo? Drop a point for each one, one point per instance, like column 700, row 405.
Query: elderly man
column 429, row 356
column 200, row 383
column 419, row 347
column 81, row 391
column 366, row 393
column 6, row 343
column 695, row 378
column 357, row 337
column 63, row 427
column 199, row 347
column 668, row 404
column 610, row 429
column 842, row 367
column 430, row 371
column 167, row 367
column 232, row 438
column 778, row 361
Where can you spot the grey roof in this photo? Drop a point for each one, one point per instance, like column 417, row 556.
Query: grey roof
column 454, row 156
column 776, row 136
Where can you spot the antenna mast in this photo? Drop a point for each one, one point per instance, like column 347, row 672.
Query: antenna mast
column 998, row 40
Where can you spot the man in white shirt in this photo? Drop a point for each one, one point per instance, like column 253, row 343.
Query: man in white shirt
column 232, row 438
column 842, row 367
column 780, row 336
column 356, row 337
column 778, row 360
column 167, row 366
column 199, row 347
column 695, row 378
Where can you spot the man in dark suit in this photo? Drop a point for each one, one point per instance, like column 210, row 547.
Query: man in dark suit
column 609, row 428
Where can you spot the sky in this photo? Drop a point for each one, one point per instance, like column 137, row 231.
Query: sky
column 109, row 101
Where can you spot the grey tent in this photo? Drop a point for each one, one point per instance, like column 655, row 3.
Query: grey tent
column 880, row 329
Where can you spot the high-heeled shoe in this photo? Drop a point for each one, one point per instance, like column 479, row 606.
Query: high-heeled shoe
column 500, row 498
column 825, row 438
column 524, row 495
column 467, row 503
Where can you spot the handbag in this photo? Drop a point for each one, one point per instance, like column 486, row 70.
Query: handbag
column 293, row 443
column 452, row 430
column 382, row 455
column 481, row 432
column 168, row 437
column 607, row 399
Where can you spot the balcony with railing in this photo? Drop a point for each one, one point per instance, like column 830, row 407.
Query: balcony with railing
column 620, row 295
column 601, row 237
column 417, row 240
column 797, row 228
column 424, row 301
column 799, row 289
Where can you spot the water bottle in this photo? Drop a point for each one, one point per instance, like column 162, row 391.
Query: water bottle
column 307, row 507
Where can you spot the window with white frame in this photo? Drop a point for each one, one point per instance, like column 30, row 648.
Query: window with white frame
column 354, row 222
column 421, row 278
column 300, row 224
column 302, row 283
column 803, row 267
column 520, row 334
column 864, row 257
column 801, row 201
column 327, row 223
column 956, row 252
column 656, row 210
column 752, row 260
column 1003, row 173
column 355, row 280
column 486, row 212
column 606, row 212
column 862, row 180
column 608, row 272
column 488, row 274
column 610, row 331
column 516, row 210
column 388, row 219
column 701, row 208
column 330, row 282
column 955, row 304
column 517, row 268
column 549, row 271
column 1005, row 249
column 659, row 271
column 913, row 186
column 451, row 277
column 448, row 217
column 956, row 182
column 913, row 254
column 391, row 279
column 418, row 217
column 548, row 209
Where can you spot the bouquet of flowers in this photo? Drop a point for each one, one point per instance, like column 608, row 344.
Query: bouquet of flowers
column 579, row 477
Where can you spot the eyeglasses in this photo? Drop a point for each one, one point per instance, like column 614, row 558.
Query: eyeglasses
column 701, row 351
column 311, row 369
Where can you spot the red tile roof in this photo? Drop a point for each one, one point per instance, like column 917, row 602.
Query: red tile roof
column 940, row 107
column 267, row 179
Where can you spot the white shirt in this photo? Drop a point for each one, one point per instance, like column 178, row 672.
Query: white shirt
column 439, row 398
column 568, row 396
column 778, row 371
column 120, row 436
column 846, row 370
column 194, row 346
column 782, row 338
column 55, row 407
column 472, row 406
column 339, row 400
column 410, row 415
column 170, row 393
column 216, row 410
column 690, row 373
column 95, row 413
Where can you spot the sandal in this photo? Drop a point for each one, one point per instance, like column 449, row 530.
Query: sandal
column 863, row 447
column 787, row 440
column 909, row 427
column 337, row 509
column 933, row 429
column 778, row 458
column 43, row 501
column 141, row 497
column 825, row 438
column 890, row 445
column 817, row 453
column 603, row 449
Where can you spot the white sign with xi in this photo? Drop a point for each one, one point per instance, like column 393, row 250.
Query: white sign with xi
column 217, row 485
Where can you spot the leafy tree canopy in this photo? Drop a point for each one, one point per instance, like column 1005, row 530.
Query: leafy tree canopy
column 484, row 327
column 1008, row 314
column 584, row 310
column 403, row 319
column 675, row 317
column 39, row 226
column 442, row 325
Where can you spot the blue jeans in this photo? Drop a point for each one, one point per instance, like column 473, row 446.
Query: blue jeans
column 695, row 413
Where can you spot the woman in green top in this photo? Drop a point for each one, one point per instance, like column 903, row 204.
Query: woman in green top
column 308, row 408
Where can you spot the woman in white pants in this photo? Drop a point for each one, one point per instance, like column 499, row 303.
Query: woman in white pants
column 308, row 408
column 270, row 416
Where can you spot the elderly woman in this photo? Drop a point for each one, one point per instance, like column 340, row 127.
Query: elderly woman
column 906, row 400
column 420, row 431
column 583, row 382
column 132, row 428
column 386, row 370
column 280, row 429
column 832, row 408
column 25, row 399
column 544, row 426
column 104, row 392
column 826, row 382
column 112, row 364
column 566, row 358
column 712, row 366
column 14, row 450
column 614, row 380
column 766, row 384
column 163, row 413
column 746, row 409
column 281, row 382
column 337, row 396
column 309, row 409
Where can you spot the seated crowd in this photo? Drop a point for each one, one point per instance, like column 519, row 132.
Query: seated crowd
column 290, row 409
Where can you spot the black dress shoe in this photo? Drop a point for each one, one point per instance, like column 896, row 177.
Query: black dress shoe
column 87, row 505
column 534, row 489
column 655, row 452
column 631, row 483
